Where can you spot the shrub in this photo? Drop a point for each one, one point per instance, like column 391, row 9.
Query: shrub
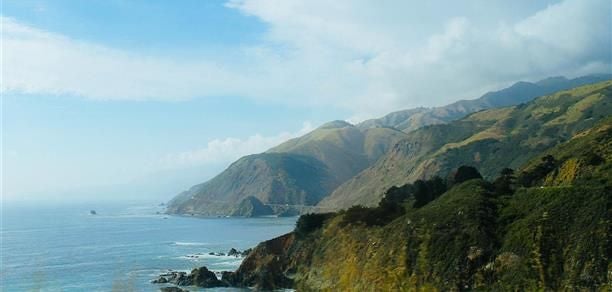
column 308, row 223
column 463, row 173
column 426, row 191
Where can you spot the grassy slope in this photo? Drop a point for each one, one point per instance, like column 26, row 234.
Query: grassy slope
column 489, row 140
column 541, row 238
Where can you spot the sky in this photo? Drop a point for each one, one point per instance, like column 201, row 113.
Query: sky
column 122, row 99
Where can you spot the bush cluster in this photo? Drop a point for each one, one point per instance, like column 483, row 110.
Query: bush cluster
column 421, row 192
column 308, row 223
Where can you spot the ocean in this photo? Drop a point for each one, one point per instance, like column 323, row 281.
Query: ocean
column 121, row 248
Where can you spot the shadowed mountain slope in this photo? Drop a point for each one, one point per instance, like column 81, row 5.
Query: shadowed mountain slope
column 299, row 172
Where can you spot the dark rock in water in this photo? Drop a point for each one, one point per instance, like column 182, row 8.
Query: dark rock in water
column 178, row 278
column 182, row 279
column 233, row 253
column 160, row 280
column 211, row 253
column 172, row 289
column 93, row 212
column 202, row 277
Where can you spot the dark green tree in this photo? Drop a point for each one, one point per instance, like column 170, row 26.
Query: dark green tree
column 464, row 173
column 505, row 184
column 308, row 223
column 426, row 191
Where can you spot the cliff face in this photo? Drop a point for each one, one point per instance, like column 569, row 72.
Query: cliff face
column 551, row 234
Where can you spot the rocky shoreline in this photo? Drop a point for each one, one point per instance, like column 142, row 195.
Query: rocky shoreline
column 200, row 277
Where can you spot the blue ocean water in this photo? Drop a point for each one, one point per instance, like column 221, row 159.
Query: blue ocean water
column 122, row 248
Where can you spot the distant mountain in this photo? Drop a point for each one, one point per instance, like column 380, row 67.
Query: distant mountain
column 297, row 173
column 271, row 178
column 520, row 92
column 489, row 140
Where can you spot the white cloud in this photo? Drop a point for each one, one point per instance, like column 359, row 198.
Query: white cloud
column 36, row 61
column 369, row 58
column 227, row 150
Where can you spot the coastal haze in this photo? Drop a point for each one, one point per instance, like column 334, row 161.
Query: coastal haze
column 231, row 145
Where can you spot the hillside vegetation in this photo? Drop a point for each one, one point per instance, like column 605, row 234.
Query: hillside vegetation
column 510, row 234
column 489, row 140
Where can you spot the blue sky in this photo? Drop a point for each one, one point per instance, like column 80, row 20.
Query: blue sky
column 99, row 94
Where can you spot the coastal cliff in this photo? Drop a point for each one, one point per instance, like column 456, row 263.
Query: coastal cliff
column 545, row 229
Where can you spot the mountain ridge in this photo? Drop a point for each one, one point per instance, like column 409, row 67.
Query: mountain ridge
column 340, row 150
column 474, row 140
column 519, row 92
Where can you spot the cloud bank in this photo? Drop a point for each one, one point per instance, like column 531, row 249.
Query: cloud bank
column 227, row 150
column 366, row 57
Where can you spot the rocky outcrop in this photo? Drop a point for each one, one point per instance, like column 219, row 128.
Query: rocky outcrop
column 251, row 207
column 200, row 277
column 267, row 267
column 233, row 253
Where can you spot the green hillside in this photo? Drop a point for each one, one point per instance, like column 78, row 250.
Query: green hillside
column 344, row 148
column 552, row 235
column 489, row 140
